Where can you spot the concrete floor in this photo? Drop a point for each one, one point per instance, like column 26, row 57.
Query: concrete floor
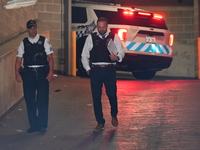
column 153, row 115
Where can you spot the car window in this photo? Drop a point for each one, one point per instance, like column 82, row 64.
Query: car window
column 120, row 19
column 79, row 15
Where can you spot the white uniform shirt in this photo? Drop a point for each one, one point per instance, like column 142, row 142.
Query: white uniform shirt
column 47, row 46
column 89, row 45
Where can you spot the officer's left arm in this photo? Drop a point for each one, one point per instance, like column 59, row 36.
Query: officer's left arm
column 51, row 66
column 49, row 52
column 120, row 49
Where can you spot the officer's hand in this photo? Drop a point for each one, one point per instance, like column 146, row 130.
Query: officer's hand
column 49, row 77
column 113, row 57
column 88, row 72
column 18, row 77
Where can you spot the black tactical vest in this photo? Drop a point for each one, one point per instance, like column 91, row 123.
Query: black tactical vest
column 99, row 52
column 34, row 54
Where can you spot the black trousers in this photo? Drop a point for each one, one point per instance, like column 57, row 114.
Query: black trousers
column 36, row 94
column 98, row 77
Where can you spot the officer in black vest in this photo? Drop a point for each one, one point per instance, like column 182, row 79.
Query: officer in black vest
column 103, row 58
column 36, row 54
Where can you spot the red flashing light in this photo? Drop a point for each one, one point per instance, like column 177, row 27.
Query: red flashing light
column 157, row 16
column 128, row 12
column 144, row 13
column 122, row 34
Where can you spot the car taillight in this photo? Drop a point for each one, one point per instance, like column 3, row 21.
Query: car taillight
column 157, row 16
column 171, row 39
column 122, row 34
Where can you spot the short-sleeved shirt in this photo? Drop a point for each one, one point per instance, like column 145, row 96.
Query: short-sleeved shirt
column 47, row 46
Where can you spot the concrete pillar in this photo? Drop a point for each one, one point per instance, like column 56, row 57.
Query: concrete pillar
column 67, row 36
column 197, row 35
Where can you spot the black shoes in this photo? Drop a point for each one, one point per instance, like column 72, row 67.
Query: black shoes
column 42, row 130
column 32, row 130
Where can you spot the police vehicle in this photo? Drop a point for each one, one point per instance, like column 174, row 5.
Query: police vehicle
column 144, row 35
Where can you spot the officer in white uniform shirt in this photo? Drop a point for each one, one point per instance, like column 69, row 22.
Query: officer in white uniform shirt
column 36, row 54
column 102, row 69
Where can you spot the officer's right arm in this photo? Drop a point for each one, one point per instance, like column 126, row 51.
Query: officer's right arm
column 86, row 53
column 18, row 63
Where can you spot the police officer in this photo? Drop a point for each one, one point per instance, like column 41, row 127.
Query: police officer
column 102, row 71
column 36, row 54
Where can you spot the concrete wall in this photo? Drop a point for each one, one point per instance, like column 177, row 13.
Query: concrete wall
column 180, row 21
column 197, row 32
column 10, row 90
column 154, row 2
column 49, row 11
column 13, row 21
column 13, row 24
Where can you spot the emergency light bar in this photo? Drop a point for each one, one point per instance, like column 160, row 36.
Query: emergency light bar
column 144, row 13
column 128, row 12
column 157, row 16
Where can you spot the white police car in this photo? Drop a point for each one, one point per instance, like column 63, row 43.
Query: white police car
column 144, row 35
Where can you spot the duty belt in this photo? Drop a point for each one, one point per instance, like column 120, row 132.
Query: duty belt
column 103, row 65
column 35, row 69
